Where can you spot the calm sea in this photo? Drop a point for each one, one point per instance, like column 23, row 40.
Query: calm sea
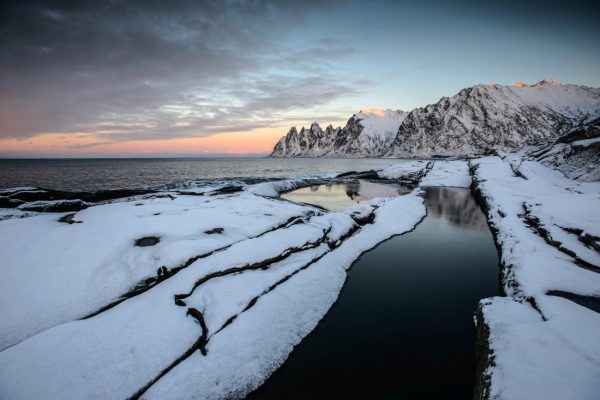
column 95, row 174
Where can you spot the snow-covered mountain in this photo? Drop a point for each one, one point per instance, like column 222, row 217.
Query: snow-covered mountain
column 576, row 154
column 369, row 133
column 475, row 120
column 498, row 117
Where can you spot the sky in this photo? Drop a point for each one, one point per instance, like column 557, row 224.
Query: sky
column 212, row 78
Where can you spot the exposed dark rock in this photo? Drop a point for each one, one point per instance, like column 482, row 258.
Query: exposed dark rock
column 538, row 227
column 33, row 195
column 147, row 241
column 69, row 219
column 589, row 240
column 573, row 158
column 214, row 231
column 592, row 303
column 227, row 190
column 49, row 200
column 54, row 206
column 254, row 266
column 6, row 202
column 363, row 219
column 372, row 174
column 590, row 130
column 163, row 273
column 345, row 174
column 104, row 195
column 484, row 357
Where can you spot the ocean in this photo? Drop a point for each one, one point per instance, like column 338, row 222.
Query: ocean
column 167, row 173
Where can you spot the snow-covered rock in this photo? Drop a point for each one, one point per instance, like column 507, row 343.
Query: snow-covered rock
column 536, row 343
column 242, row 279
column 550, row 354
column 576, row 154
column 500, row 117
column 53, row 272
column 368, row 133
column 449, row 174
column 472, row 122
column 410, row 171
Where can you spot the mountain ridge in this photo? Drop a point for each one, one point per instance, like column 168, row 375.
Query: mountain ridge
column 477, row 119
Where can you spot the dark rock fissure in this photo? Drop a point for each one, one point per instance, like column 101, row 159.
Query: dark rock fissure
column 254, row 266
column 538, row 227
column 164, row 273
column 198, row 345
column 591, row 241
column 202, row 341
column 484, row 355
column 591, row 303
column 252, row 302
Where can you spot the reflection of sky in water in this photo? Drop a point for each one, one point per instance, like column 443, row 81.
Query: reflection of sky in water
column 336, row 197
column 406, row 312
column 455, row 206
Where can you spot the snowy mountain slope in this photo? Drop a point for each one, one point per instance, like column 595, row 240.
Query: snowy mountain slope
column 576, row 154
column 494, row 117
column 368, row 133
column 471, row 122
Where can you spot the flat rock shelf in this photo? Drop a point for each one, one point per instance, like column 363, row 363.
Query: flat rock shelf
column 403, row 324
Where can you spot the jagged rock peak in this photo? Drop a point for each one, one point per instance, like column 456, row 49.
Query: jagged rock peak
column 368, row 133
column 473, row 121
column 544, row 82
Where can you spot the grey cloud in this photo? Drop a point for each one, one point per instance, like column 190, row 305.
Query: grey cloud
column 149, row 69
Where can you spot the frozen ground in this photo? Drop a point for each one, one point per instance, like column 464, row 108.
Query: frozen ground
column 204, row 295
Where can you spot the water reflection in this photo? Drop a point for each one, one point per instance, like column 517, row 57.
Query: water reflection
column 456, row 206
column 402, row 327
column 338, row 196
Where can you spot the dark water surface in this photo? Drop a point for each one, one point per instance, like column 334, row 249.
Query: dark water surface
column 403, row 325
column 132, row 173
column 338, row 196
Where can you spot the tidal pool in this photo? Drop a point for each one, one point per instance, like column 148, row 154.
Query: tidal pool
column 402, row 327
column 338, row 196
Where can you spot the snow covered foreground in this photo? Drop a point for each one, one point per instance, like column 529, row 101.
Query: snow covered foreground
column 235, row 281
column 174, row 296
column 541, row 341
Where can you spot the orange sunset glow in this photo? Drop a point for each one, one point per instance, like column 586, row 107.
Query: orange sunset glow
column 252, row 142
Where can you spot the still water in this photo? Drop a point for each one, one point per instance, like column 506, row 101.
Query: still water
column 338, row 196
column 403, row 325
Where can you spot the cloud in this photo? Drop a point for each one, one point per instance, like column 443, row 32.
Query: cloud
column 149, row 69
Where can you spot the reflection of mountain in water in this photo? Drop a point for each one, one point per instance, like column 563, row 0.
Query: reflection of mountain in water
column 455, row 205
column 338, row 196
